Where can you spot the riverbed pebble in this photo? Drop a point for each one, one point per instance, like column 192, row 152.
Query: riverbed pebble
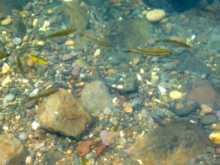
column 175, row 95
column 155, row 15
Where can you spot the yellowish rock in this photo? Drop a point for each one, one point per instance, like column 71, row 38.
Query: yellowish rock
column 7, row 21
column 39, row 42
column 155, row 15
column 175, row 95
column 70, row 43
column 214, row 137
column 127, row 107
column 61, row 112
column 216, row 126
column 6, row 81
column 205, row 109
column 6, row 68
column 11, row 150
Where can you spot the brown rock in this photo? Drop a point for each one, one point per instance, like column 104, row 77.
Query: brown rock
column 62, row 113
column 203, row 93
column 11, row 150
column 100, row 149
column 85, row 147
column 177, row 141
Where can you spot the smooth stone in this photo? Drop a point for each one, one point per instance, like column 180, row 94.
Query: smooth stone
column 63, row 114
column 5, row 68
column 205, row 109
column 184, row 108
column 208, row 119
column 7, row 21
column 95, row 97
column 70, row 43
column 203, row 92
column 130, row 84
column 155, row 15
column 214, row 137
column 175, row 95
column 11, row 150
column 191, row 63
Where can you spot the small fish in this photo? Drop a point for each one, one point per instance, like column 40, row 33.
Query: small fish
column 3, row 54
column 34, row 59
column 151, row 51
column 61, row 33
column 43, row 93
column 176, row 41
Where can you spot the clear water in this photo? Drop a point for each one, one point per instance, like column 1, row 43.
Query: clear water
column 151, row 89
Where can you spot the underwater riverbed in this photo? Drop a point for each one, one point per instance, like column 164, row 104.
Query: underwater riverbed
column 114, row 82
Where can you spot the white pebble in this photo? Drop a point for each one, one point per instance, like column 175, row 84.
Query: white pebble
column 162, row 90
column 97, row 52
column 34, row 92
column 35, row 125
column 139, row 78
column 45, row 26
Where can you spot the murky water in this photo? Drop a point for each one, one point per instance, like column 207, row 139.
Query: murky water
column 110, row 82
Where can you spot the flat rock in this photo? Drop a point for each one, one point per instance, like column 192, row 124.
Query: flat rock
column 95, row 97
column 62, row 113
column 184, row 108
column 174, row 141
column 208, row 119
column 203, row 92
column 11, row 150
column 188, row 62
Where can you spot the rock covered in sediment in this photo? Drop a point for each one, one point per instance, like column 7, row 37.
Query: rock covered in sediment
column 11, row 150
column 95, row 97
column 62, row 113
column 175, row 141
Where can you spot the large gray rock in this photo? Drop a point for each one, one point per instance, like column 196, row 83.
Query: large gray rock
column 95, row 97
column 62, row 113
column 12, row 152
